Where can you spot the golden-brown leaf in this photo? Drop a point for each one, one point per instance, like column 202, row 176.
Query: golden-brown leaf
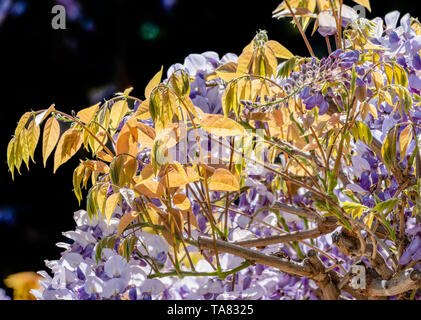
column 128, row 138
column 87, row 114
column 125, row 221
column 146, row 174
column 377, row 79
column 150, row 188
column 223, row 180
column 69, row 143
column 176, row 176
column 404, row 139
column 181, row 201
column 104, row 156
column 146, row 135
column 221, row 126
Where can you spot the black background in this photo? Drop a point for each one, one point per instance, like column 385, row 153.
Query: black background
column 40, row 66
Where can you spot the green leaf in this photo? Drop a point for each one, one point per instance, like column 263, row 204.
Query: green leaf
column 386, row 205
column 91, row 206
column 229, row 98
column 389, row 147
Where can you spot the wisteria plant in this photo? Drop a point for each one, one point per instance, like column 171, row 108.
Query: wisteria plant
column 260, row 176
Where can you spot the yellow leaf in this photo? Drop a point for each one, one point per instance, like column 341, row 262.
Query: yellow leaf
column 221, row 126
column 39, row 118
column 176, row 176
column 404, row 140
column 127, row 91
column 279, row 50
column 22, row 283
column 69, row 143
column 17, row 151
column 271, row 64
column 142, row 112
column 22, row 122
column 86, row 115
column 249, row 47
column 377, row 79
column 118, row 111
column 156, row 80
column 223, row 180
column 244, row 63
column 33, row 134
column 50, row 137
column 125, row 221
column 192, row 175
column 110, row 205
column 227, row 71
column 23, row 142
column 364, row 3
column 101, row 196
column 11, row 157
column 181, row 201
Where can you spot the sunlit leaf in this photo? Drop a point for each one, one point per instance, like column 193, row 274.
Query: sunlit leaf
column 22, row 123
column 404, row 139
column 389, row 147
column 386, row 205
column 153, row 83
column 146, row 135
column 176, row 176
column 221, row 126
column 181, row 201
column 227, row 71
column 279, row 50
column 125, row 220
column 223, row 180
column 11, row 156
column 87, row 114
column 50, row 138
column 118, row 111
column 142, row 112
column 110, row 205
column 128, row 138
column 69, row 143
column 150, row 188
column 78, row 175
column 377, row 78
column 33, row 134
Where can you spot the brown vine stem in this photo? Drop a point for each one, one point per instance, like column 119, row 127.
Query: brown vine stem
column 300, row 28
column 285, row 232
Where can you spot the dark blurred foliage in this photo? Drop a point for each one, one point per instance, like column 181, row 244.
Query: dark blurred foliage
column 116, row 45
